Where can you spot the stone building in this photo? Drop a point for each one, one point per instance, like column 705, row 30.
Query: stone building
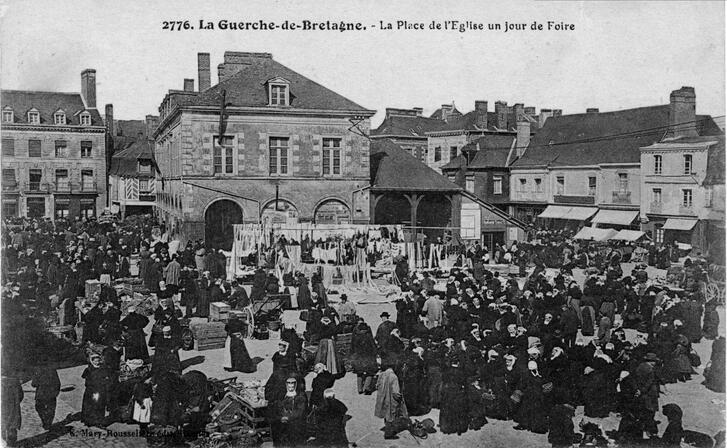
column 283, row 149
column 53, row 153
column 679, row 199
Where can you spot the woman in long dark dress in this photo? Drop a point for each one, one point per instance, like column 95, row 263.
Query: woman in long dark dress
column 363, row 357
column 453, row 415
column 241, row 361
column 531, row 413
column 134, row 341
column 595, row 392
column 95, row 396
column 414, row 383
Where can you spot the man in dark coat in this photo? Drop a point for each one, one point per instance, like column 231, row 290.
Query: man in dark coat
column 383, row 332
column 134, row 341
column 47, row 387
column 331, row 422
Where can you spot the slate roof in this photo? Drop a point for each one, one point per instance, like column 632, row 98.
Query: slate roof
column 392, row 168
column 247, row 88
column 492, row 153
column 131, row 131
column 403, row 126
column 605, row 137
column 47, row 104
column 125, row 162
column 437, row 115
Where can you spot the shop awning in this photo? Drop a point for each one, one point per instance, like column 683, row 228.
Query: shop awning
column 679, row 224
column 592, row 233
column 580, row 213
column 629, row 235
column 554, row 212
column 617, row 217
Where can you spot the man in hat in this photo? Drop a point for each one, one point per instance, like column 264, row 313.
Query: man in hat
column 384, row 330
column 347, row 310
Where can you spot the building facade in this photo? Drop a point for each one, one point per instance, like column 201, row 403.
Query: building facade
column 407, row 128
column 53, row 153
column 264, row 144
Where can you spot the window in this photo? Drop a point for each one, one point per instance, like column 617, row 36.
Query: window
column 8, row 147
column 10, row 207
column 497, row 185
column 523, row 184
column 658, row 233
column 87, row 182
column 34, row 177
column 59, row 118
column 452, row 152
column 687, row 164
column 591, row 185
column 278, row 155
column 560, row 185
column 9, row 178
column 143, row 184
column 36, row 207
column 34, row 148
column 144, row 166
column 424, row 155
column 437, row 154
column 34, row 117
column 687, row 198
column 223, row 155
column 538, row 185
column 657, row 164
column 708, row 196
column 623, row 182
column 8, row 116
column 62, row 207
column 470, row 184
column 88, row 208
column 331, row 156
column 278, row 95
column 656, row 195
column 85, row 119
column 61, row 148
column 62, row 183
column 86, row 149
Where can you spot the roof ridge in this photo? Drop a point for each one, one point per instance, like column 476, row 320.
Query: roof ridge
column 39, row 91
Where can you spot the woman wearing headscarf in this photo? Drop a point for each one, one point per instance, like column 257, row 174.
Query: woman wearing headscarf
column 287, row 425
column 96, row 393
column 453, row 414
column 135, row 339
column 595, row 392
column 413, row 382
column 531, row 414
column 331, row 427
column 327, row 354
column 240, row 360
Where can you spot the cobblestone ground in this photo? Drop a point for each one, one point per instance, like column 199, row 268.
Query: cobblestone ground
column 704, row 411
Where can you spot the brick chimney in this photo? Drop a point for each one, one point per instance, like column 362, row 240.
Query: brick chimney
column 501, row 111
column 523, row 136
column 481, row 114
column 592, row 110
column 529, row 111
column 683, row 113
column 203, row 71
column 544, row 115
column 188, row 85
column 557, row 112
column 518, row 110
column 88, row 88
column 418, row 111
column 447, row 110
column 109, row 118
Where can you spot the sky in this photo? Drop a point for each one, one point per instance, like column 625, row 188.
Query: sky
column 621, row 54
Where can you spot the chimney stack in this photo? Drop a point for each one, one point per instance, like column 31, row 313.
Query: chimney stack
column 518, row 110
column 110, row 119
column 152, row 122
column 418, row 111
column 188, row 85
column 683, row 113
column 557, row 112
column 592, row 110
column 481, row 114
column 523, row 136
column 544, row 115
column 203, row 71
column 446, row 111
column 529, row 111
column 501, row 111
column 88, row 88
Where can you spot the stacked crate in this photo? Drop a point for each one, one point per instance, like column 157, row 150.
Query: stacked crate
column 219, row 311
column 208, row 335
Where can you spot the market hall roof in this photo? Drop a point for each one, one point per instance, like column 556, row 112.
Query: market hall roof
column 394, row 169
column 47, row 104
column 600, row 138
column 248, row 87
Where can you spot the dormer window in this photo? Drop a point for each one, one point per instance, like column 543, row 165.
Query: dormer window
column 279, row 92
column 59, row 117
column 33, row 116
column 85, row 119
column 8, row 116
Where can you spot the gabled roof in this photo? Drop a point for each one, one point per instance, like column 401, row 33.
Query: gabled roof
column 131, row 131
column 716, row 164
column 437, row 115
column 125, row 162
column 392, row 168
column 247, row 88
column 492, row 153
column 403, row 126
column 47, row 103
column 604, row 137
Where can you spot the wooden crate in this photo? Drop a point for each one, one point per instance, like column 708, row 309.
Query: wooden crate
column 93, row 287
column 233, row 410
column 219, row 311
column 209, row 344
column 200, row 329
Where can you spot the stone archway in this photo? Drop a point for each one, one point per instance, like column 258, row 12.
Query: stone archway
column 219, row 219
column 332, row 211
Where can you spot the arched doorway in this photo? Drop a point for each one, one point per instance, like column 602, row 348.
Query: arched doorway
column 332, row 211
column 279, row 212
column 218, row 223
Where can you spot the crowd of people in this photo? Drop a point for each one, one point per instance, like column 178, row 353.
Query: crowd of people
column 526, row 348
